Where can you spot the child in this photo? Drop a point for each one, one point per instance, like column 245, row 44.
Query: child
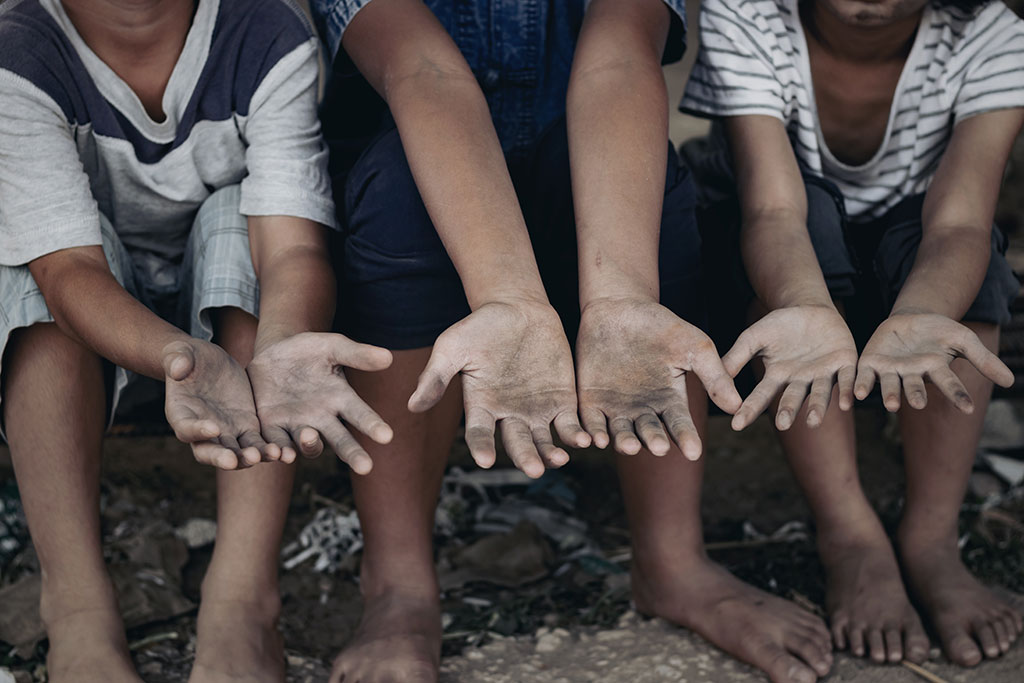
column 161, row 165
column 868, row 142
column 465, row 232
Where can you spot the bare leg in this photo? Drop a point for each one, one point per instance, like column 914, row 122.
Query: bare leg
column 939, row 445
column 867, row 604
column 674, row 579
column 54, row 409
column 237, row 625
column 399, row 637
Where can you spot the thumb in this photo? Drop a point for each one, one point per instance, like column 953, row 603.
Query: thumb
column 179, row 360
column 985, row 361
column 344, row 351
column 718, row 382
column 434, row 380
column 747, row 346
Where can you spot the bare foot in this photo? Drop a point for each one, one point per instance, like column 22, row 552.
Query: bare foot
column 968, row 618
column 398, row 641
column 788, row 643
column 89, row 646
column 868, row 607
column 238, row 642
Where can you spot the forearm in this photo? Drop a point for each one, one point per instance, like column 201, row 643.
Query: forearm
column 90, row 306
column 948, row 272
column 297, row 294
column 618, row 132
column 460, row 171
column 780, row 260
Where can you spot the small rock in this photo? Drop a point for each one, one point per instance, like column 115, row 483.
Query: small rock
column 197, row 532
column 151, row 668
column 549, row 642
column 615, row 634
column 668, row 673
column 475, row 654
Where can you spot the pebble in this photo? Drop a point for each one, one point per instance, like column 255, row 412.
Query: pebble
column 549, row 642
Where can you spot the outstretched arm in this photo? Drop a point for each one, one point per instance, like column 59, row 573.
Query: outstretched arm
column 632, row 353
column 783, row 269
column 922, row 334
column 209, row 403
column 511, row 351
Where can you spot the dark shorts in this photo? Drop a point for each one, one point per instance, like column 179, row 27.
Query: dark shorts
column 865, row 264
column 399, row 289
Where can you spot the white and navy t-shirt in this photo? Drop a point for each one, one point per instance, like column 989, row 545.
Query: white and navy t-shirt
column 753, row 60
column 75, row 141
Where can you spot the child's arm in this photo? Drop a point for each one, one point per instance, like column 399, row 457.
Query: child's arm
column 632, row 353
column 511, row 351
column 209, row 403
column 922, row 336
column 300, row 392
column 804, row 343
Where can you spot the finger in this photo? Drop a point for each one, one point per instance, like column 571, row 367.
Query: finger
column 846, row 378
column 552, row 455
column 345, row 352
column 790, row 404
column 596, row 425
column 623, row 436
column 952, row 388
column 191, row 429
column 684, row 432
column 255, row 449
column 356, row 413
column 519, row 445
column 433, row 381
column 818, row 401
column 757, row 402
column 652, row 434
column 716, row 380
column 889, row 382
column 747, row 345
column 985, row 361
column 231, row 443
column 570, row 431
column 213, row 454
column 480, row 436
column 308, row 440
column 917, row 394
column 178, row 360
column 283, row 440
column 865, row 381
column 346, row 447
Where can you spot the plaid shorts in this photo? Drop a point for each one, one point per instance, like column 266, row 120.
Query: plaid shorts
column 215, row 271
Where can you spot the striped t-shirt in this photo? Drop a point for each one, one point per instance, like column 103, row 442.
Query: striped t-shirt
column 753, row 61
column 76, row 142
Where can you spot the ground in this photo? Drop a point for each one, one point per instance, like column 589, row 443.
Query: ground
column 563, row 613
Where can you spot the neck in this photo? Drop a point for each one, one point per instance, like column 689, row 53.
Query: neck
column 137, row 28
column 859, row 43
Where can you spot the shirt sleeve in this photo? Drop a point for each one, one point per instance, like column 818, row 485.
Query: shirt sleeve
column 332, row 17
column 46, row 203
column 286, row 156
column 990, row 60
column 734, row 74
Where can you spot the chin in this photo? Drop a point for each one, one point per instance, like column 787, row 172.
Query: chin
column 872, row 13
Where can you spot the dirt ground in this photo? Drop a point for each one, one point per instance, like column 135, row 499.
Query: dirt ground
column 562, row 611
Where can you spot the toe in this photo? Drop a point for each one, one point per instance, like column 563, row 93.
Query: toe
column 893, row 644
column 812, row 651
column 961, row 649
column 857, row 639
column 1002, row 635
column 987, row 637
column 782, row 667
column 916, row 642
column 876, row 645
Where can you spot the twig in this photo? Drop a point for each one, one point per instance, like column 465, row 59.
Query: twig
column 153, row 639
column 923, row 672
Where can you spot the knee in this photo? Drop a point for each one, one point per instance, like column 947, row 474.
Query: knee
column 43, row 343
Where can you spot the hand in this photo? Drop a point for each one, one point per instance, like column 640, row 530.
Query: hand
column 908, row 347
column 633, row 356
column 803, row 348
column 517, row 370
column 303, row 398
column 209, row 405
